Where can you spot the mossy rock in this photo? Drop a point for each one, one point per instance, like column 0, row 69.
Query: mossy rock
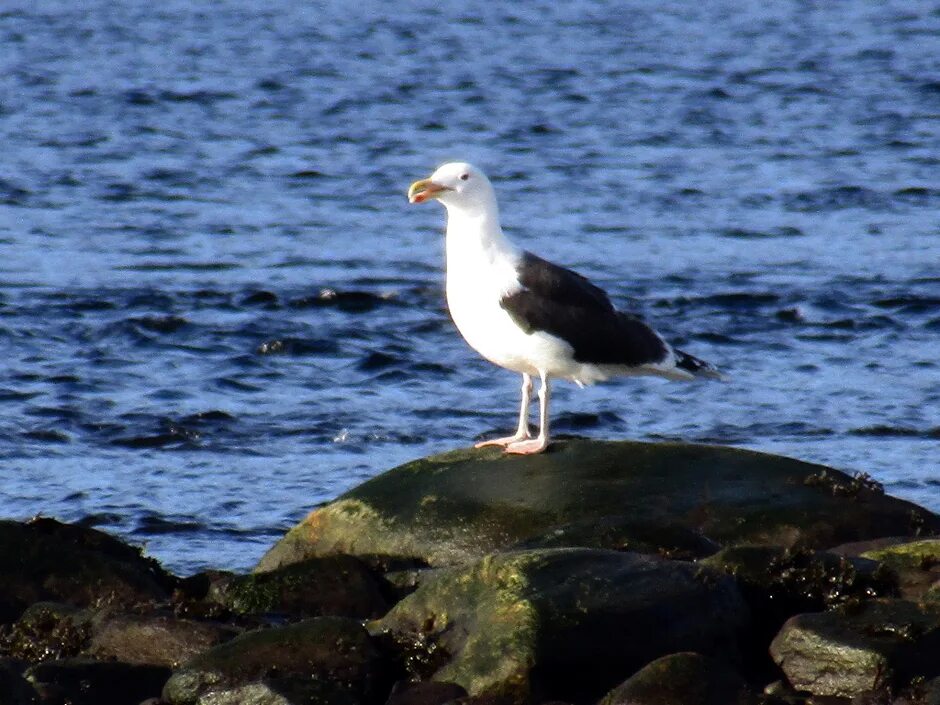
column 328, row 660
column 560, row 623
column 778, row 583
column 685, row 678
column 917, row 565
column 877, row 646
column 451, row 508
column 45, row 560
column 340, row 586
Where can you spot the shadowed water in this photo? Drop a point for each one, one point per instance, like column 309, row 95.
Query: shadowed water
column 217, row 309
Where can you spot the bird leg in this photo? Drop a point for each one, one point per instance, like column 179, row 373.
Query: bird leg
column 522, row 431
column 536, row 445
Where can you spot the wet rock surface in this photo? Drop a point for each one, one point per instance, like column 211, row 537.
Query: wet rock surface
column 600, row 572
column 563, row 623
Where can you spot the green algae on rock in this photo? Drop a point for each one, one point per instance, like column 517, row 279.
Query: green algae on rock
column 458, row 506
column 873, row 646
column 339, row 586
column 916, row 564
column 565, row 623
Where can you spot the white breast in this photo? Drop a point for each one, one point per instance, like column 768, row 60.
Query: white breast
column 478, row 277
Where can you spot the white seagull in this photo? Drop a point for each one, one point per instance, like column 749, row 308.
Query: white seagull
column 528, row 315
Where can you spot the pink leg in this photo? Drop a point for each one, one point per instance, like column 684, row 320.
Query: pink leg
column 522, row 431
column 531, row 446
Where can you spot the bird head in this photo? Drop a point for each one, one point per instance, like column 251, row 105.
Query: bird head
column 456, row 185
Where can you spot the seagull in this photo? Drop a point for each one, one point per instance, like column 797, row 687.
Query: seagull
column 531, row 316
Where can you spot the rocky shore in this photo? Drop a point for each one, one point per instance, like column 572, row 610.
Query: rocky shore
column 608, row 573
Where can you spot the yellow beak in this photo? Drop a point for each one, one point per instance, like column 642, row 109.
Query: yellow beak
column 423, row 190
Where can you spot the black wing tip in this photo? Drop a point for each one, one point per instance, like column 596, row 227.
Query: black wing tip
column 696, row 366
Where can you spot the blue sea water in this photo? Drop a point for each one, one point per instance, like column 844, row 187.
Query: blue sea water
column 217, row 309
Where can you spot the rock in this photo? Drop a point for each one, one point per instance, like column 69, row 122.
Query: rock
column 83, row 681
column 459, row 506
column 802, row 579
column 14, row 689
column 47, row 631
column 329, row 660
column 931, row 694
column 917, row 565
column 858, row 649
column 560, row 623
column 425, row 693
column 340, row 586
column 685, row 678
column 778, row 583
column 44, row 559
column 154, row 639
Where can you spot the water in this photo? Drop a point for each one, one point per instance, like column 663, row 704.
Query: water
column 217, row 309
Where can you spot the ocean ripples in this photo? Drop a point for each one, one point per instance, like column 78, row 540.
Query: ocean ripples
column 217, row 308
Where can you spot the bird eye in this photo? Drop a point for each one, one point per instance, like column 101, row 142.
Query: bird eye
column 464, row 177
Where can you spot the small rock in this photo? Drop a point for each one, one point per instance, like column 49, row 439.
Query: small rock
column 560, row 623
column 778, row 583
column 47, row 631
column 685, row 678
column 325, row 660
column 859, row 649
column 82, row 681
column 917, row 565
column 157, row 640
column 340, row 586
column 425, row 693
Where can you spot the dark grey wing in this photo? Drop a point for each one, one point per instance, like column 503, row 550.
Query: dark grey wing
column 565, row 304
column 555, row 283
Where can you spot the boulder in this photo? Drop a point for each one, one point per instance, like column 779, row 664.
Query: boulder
column 329, row 660
column 153, row 639
column 340, row 586
column 916, row 564
column 685, row 678
column 861, row 648
column 668, row 498
column 560, row 623
column 81, row 681
column 44, row 559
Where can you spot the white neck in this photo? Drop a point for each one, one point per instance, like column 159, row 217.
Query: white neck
column 475, row 232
